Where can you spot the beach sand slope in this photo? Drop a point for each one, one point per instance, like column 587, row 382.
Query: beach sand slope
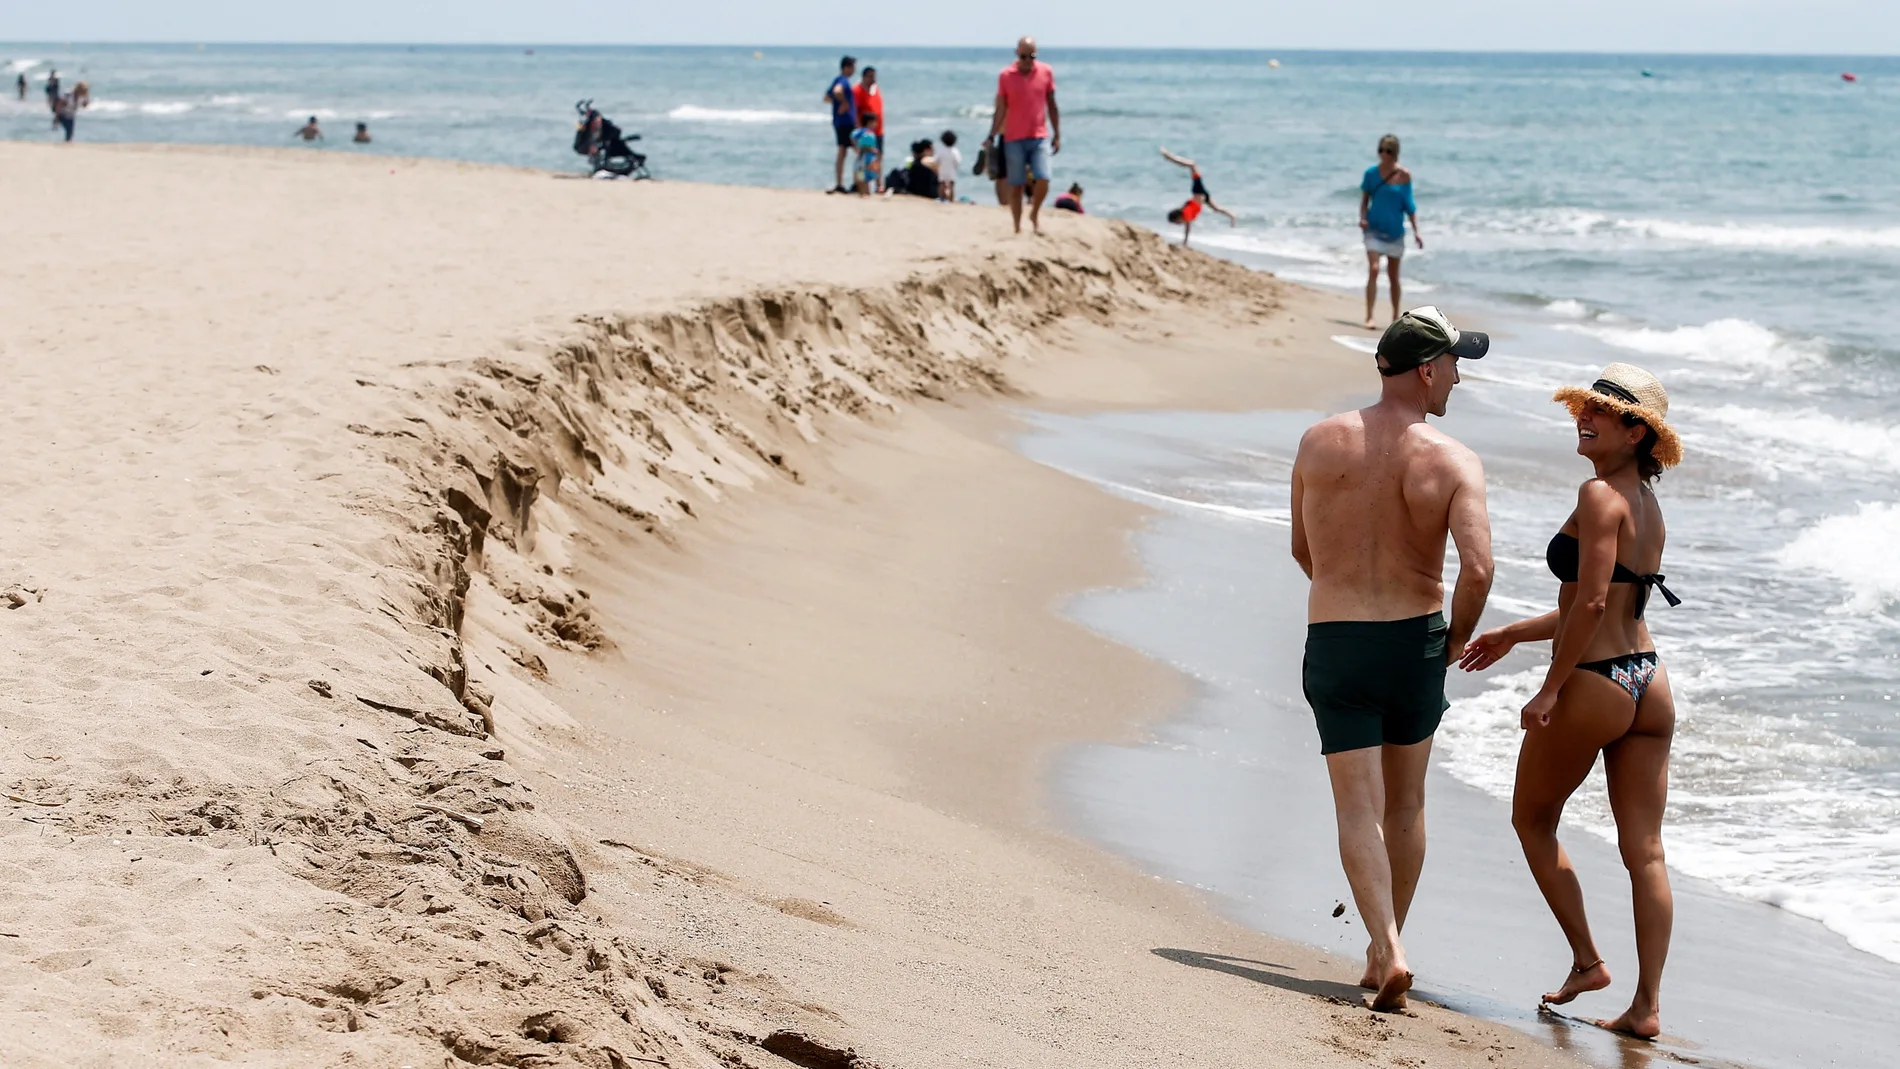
column 449, row 615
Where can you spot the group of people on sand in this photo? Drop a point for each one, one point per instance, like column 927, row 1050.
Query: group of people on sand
column 1376, row 493
column 857, row 122
column 1025, row 131
column 65, row 106
column 311, row 130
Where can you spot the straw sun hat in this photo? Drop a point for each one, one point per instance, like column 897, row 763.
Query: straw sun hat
column 1629, row 389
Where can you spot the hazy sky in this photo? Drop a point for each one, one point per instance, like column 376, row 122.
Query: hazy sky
column 1856, row 27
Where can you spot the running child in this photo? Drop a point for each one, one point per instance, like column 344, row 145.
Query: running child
column 1198, row 197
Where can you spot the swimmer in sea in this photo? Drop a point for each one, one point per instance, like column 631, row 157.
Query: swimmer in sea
column 310, row 131
column 1198, row 197
column 362, row 134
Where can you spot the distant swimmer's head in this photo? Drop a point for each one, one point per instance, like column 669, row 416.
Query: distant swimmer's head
column 1413, row 350
column 1625, row 411
column 848, row 64
column 313, row 120
column 1389, row 147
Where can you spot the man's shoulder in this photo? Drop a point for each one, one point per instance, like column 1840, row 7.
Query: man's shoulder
column 1331, row 432
column 1442, row 449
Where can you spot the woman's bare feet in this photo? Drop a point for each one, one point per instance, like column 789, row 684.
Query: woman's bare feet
column 1636, row 1024
column 1592, row 977
column 1370, row 979
column 1391, row 996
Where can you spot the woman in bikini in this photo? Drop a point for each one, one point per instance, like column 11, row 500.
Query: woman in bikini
column 1605, row 692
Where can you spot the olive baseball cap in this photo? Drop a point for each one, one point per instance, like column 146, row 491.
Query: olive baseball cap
column 1422, row 335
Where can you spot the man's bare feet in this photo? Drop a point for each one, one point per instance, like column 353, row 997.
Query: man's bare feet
column 1592, row 977
column 1391, row 996
column 1644, row 1026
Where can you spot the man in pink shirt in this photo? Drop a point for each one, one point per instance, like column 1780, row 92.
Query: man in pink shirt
column 1031, row 126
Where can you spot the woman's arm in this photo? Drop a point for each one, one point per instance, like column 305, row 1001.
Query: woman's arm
column 1489, row 648
column 1365, row 201
column 1600, row 512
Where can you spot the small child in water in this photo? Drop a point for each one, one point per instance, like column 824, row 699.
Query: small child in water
column 1198, row 197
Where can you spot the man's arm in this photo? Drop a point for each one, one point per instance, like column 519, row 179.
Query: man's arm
column 1470, row 524
column 1055, row 125
column 998, row 113
column 1302, row 552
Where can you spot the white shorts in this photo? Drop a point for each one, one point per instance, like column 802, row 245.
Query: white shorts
column 1394, row 249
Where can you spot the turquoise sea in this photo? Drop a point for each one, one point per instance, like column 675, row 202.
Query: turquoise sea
column 1730, row 222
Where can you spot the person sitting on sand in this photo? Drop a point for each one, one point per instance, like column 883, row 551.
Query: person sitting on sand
column 310, row 131
column 867, row 171
column 1375, row 493
column 1072, row 200
column 1605, row 691
column 362, row 134
column 1198, row 198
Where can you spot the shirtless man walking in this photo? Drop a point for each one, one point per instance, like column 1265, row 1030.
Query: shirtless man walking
column 1375, row 492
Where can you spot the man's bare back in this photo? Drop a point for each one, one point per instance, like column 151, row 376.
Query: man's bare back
column 1375, row 491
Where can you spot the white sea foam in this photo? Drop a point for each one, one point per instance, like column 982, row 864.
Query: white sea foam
column 1875, row 445
column 1567, row 308
column 1358, row 344
column 323, row 114
column 694, row 113
column 166, row 107
column 1788, row 846
column 109, row 107
column 1729, row 342
column 21, row 66
column 976, row 111
column 1858, row 549
column 230, row 99
column 1283, row 248
column 1763, row 235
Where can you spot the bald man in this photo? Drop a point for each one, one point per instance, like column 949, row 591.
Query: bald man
column 1031, row 126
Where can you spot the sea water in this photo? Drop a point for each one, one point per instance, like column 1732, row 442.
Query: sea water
column 1731, row 223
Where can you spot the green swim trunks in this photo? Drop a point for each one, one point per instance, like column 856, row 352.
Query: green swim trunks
column 1376, row 681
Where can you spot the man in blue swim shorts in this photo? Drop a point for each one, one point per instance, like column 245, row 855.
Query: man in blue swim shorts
column 844, row 117
column 1031, row 126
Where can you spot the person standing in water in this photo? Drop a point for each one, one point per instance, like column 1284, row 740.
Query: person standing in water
column 1031, row 125
column 844, row 118
column 65, row 112
column 1385, row 203
column 19, row 84
column 362, row 134
column 1605, row 692
column 52, row 90
column 310, row 131
column 1375, row 493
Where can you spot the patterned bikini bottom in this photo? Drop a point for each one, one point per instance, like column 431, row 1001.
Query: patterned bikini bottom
column 1632, row 671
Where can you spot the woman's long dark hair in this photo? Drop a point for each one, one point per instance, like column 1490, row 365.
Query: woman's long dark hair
column 1648, row 468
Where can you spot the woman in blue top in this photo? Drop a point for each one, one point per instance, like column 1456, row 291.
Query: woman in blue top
column 1385, row 203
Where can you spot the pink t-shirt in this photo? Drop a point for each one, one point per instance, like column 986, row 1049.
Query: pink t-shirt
column 1027, row 97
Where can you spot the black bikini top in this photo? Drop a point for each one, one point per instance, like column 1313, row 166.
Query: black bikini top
column 1563, row 558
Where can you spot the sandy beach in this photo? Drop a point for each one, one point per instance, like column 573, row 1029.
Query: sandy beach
column 464, row 617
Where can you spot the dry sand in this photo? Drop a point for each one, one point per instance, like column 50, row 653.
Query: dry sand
column 465, row 617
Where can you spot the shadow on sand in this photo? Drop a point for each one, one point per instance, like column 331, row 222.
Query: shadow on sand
column 1270, row 973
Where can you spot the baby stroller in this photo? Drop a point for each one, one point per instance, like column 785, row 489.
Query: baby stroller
column 605, row 147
